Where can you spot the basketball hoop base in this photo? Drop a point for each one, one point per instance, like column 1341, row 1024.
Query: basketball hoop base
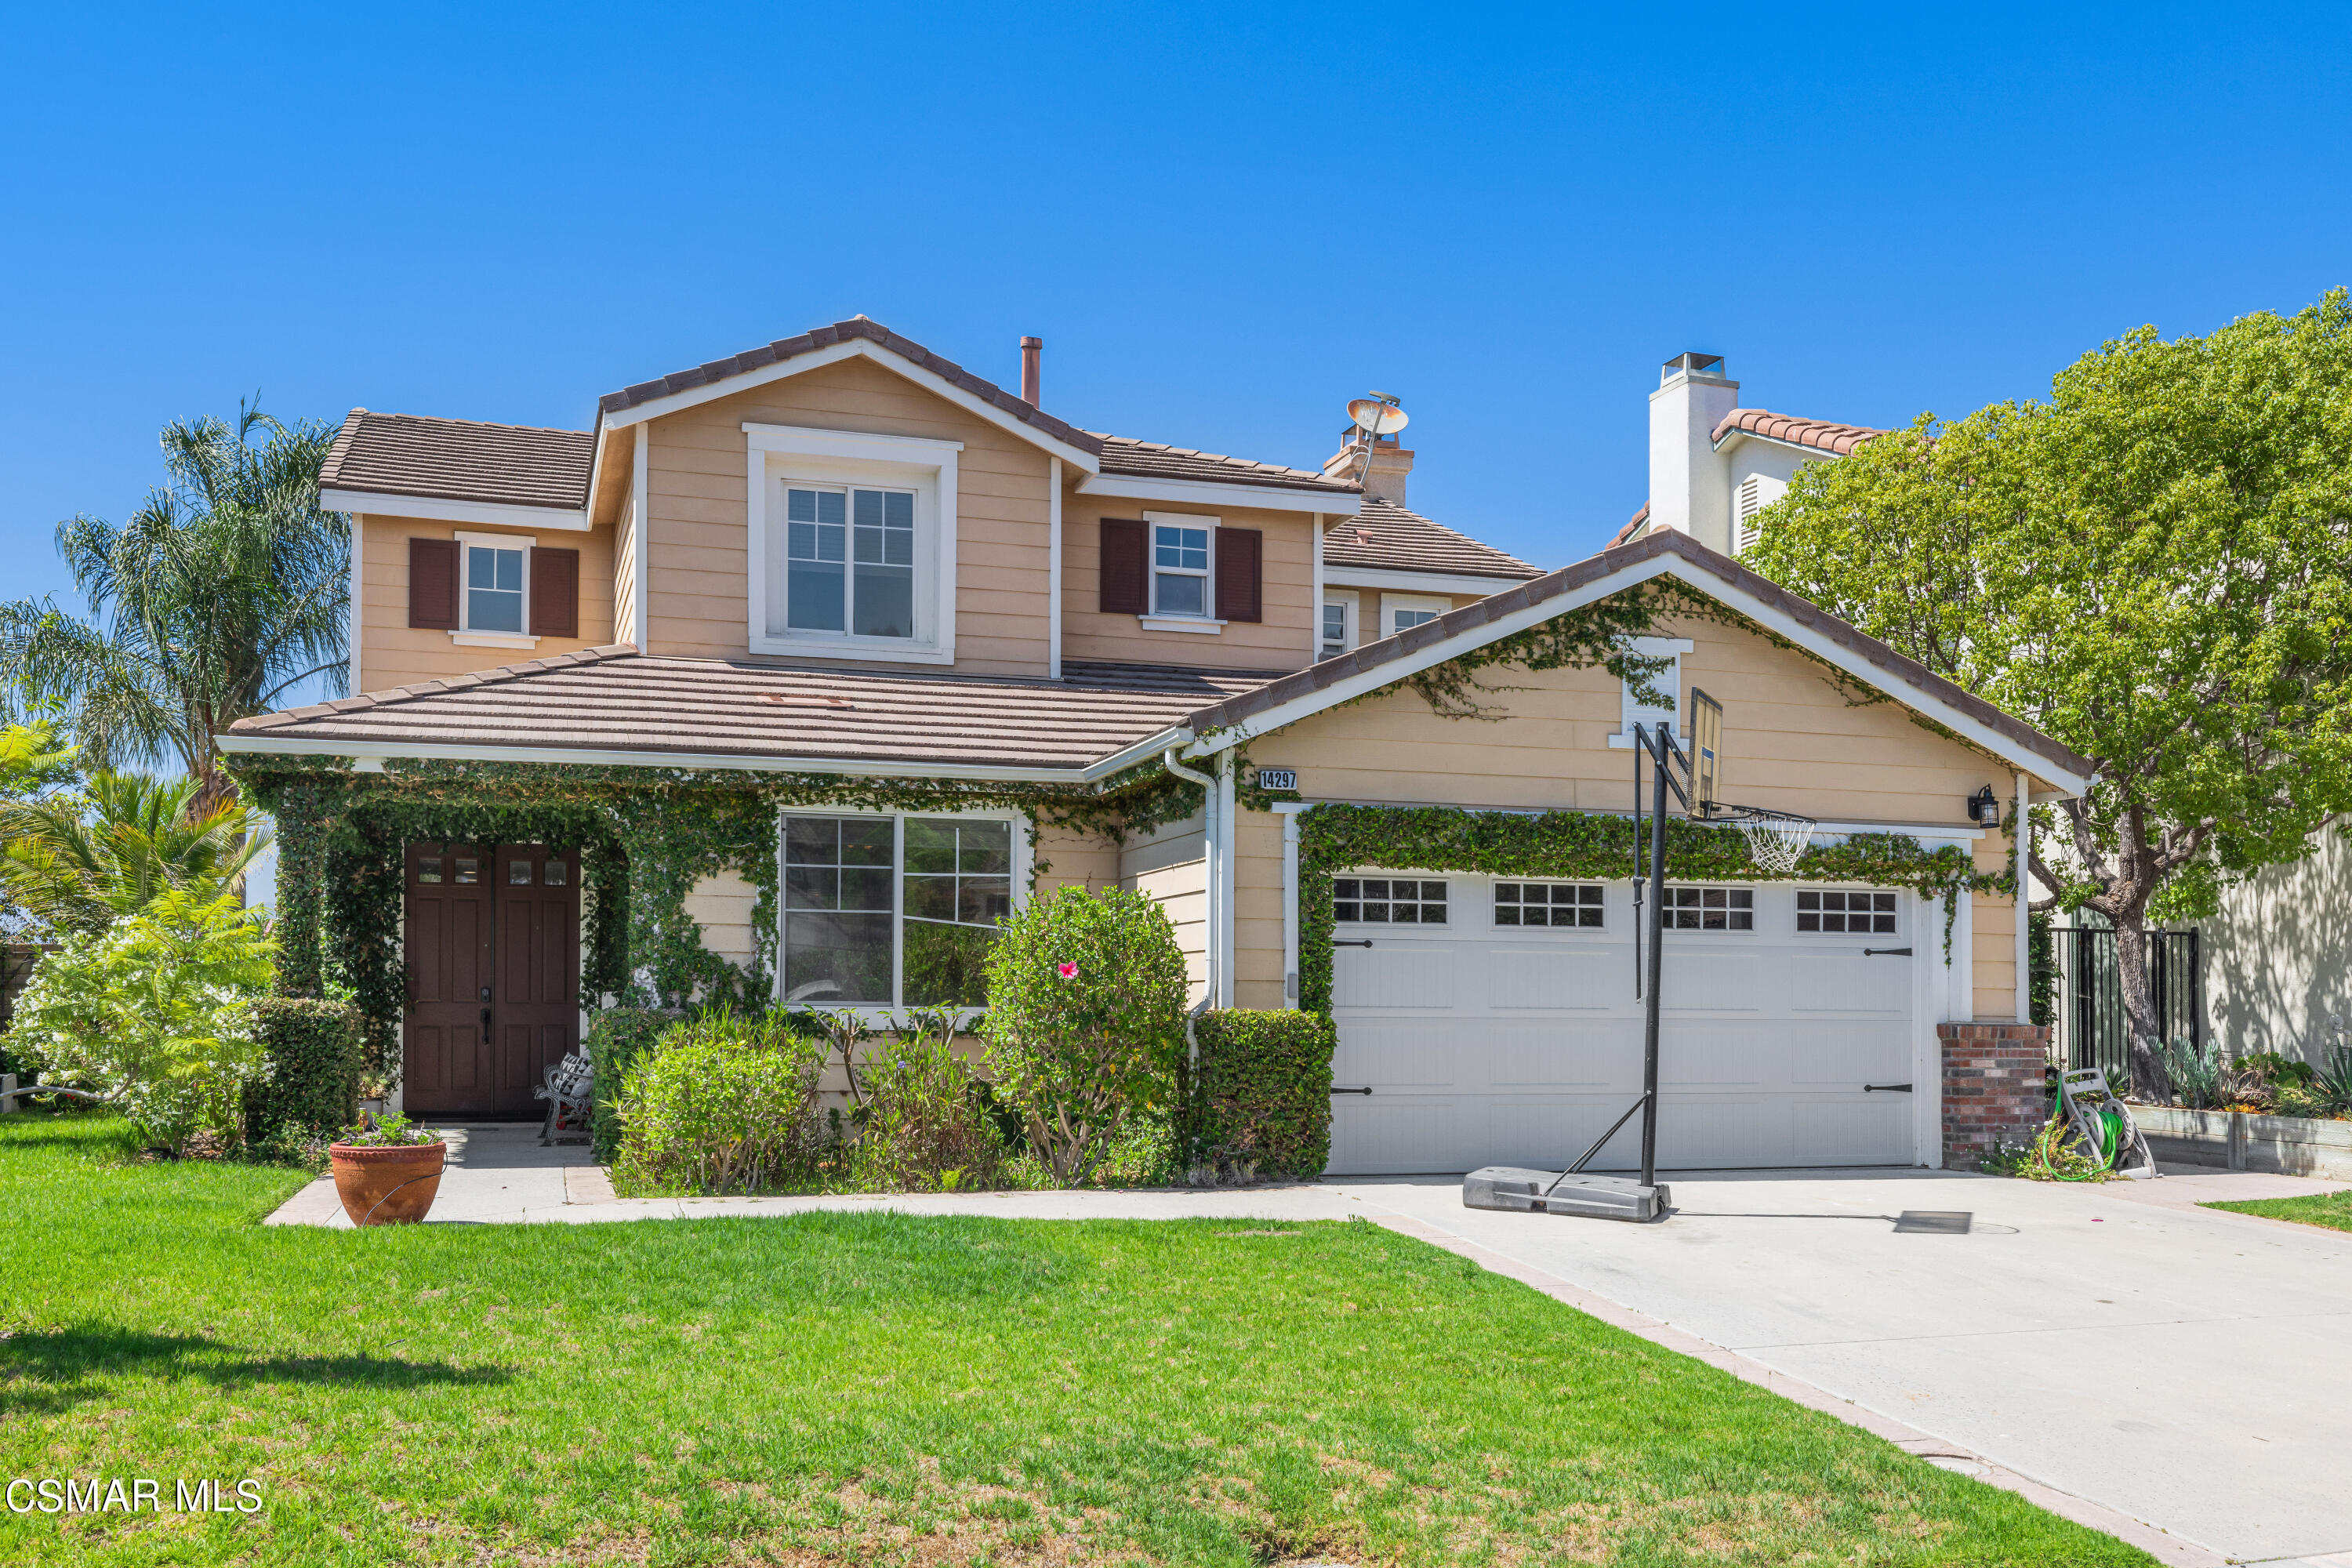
column 1517, row 1191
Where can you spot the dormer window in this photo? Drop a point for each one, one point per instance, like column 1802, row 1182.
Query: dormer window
column 852, row 546
column 494, row 585
column 1180, row 570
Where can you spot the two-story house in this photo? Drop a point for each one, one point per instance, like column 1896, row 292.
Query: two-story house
column 815, row 660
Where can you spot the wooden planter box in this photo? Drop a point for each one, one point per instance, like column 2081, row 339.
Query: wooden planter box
column 2237, row 1141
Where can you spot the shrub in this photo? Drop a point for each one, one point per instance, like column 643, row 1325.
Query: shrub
column 617, row 1037
column 311, row 1053
column 721, row 1103
column 927, row 1125
column 1085, row 1021
column 156, row 1014
column 1261, row 1094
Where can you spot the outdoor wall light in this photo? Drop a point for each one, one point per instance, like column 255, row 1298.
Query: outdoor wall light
column 1984, row 808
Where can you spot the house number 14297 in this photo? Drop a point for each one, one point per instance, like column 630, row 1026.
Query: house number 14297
column 1277, row 778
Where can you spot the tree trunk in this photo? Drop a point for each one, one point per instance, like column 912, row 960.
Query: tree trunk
column 2149, row 1082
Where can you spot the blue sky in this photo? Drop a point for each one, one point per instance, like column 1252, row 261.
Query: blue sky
column 1223, row 221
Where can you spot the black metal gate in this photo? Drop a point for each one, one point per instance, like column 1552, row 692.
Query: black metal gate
column 2090, row 1014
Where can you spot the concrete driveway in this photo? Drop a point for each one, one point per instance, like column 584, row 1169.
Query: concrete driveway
column 2184, row 1367
column 2188, row 1367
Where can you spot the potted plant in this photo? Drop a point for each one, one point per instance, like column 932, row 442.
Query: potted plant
column 386, row 1171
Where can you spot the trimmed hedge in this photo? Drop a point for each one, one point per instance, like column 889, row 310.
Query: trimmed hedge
column 617, row 1037
column 312, row 1052
column 1261, row 1093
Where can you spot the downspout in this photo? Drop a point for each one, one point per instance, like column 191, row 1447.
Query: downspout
column 1211, row 789
column 1052, row 568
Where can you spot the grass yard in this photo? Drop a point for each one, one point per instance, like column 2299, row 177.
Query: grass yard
column 870, row 1389
column 2333, row 1210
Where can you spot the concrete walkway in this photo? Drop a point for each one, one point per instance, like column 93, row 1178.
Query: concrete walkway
column 2171, row 1374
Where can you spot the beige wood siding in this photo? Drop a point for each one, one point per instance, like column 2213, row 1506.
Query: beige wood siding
column 697, row 577
column 1170, row 865
column 392, row 653
column 1792, row 741
column 1068, row 859
column 1284, row 640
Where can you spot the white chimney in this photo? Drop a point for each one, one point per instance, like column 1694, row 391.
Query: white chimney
column 1689, row 487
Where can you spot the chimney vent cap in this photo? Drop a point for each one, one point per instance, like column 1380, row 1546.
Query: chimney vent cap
column 1692, row 363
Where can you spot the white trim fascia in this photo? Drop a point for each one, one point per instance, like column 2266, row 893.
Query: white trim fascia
column 571, row 520
column 1052, row 568
column 1969, row 729
column 1208, row 492
column 1201, row 624
column 1289, row 811
column 1338, row 576
column 1317, row 582
column 852, row 348
column 858, row 446
column 357, row 611
column 1221, row 905
column 364, row 752
column 1820, row 454
column 493, row 639
column 641, row 533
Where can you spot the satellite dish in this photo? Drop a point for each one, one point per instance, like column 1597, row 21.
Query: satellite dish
column 1377, row 414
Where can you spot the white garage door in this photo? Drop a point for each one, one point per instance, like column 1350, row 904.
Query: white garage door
column 1494, row 1022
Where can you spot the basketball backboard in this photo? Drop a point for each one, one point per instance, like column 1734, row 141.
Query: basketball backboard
column 1705, row 753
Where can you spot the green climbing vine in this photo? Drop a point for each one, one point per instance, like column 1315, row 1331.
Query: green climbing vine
column 1572, row 844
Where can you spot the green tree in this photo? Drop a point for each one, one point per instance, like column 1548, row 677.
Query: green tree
column 2154, row 566
column 227, row 588
column 77, row 862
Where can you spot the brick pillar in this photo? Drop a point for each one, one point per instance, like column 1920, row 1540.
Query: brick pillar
column 1993, row 1088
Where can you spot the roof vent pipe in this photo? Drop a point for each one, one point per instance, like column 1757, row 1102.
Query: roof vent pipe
column 1031, row 350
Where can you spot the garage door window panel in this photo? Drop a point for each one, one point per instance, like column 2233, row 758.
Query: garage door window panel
column 1388, row 900
column 1578, row 904
column 1832, row 913
column 1710, row 909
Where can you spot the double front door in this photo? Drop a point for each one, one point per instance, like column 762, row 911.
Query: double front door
column 492, row 942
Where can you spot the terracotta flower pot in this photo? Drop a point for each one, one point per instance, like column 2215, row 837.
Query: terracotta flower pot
column 387, row 1186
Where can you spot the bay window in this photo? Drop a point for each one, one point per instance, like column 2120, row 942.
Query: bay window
column 892, row 911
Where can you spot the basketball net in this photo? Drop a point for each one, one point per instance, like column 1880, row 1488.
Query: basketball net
column 1775, row 838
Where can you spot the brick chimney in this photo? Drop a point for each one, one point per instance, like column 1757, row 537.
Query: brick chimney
column 1391, row 464
column 1689, row 490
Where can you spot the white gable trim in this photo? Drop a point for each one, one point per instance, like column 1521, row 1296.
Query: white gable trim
column 441, row 510
column 1363, row 682
column 1402, row 581
column 835, row 353
column 1208, row 493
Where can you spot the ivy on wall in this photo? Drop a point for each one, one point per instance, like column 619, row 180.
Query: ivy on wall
column 1335, row 839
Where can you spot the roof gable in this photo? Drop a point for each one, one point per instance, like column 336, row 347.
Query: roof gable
column 458, row 460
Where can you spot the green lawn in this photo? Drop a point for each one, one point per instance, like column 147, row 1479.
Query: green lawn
column 869, row 1389
column 2333, row 1210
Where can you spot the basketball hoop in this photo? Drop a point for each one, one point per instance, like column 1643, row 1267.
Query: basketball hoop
column 1775, row 838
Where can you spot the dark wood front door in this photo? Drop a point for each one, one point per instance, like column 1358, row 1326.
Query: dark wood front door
column 493, row 957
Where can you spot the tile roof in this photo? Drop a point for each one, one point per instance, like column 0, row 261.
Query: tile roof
column 1821, row 435
column 1633, row 527
column 459, row 459
column 1893, row 670
column 1153, row 460
column 712, row 372
column 615, row 699
column 1386, row 537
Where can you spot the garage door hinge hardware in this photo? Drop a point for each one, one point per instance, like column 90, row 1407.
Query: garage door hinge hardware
column 1364, row 1091
column 1887, row 1089
column 1352, row 941
column 1885, row 953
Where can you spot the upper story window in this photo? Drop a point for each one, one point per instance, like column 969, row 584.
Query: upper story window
column 850, row 558
column 853, row 542
column 1337, row 634
column 1400, row 610
column 494, row 586
column 1180, row 569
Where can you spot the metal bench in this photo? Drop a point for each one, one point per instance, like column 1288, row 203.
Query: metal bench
column 570, row 1095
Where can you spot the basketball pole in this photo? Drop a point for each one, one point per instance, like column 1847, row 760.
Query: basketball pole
column 1656, row 917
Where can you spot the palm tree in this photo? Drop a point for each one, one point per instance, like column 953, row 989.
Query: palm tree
column 229, row 587
column 76, row 862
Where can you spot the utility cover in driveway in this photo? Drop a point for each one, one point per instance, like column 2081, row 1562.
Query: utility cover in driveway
column 1484, row 1044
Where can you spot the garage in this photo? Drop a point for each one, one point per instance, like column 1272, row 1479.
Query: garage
column 1494, row 1021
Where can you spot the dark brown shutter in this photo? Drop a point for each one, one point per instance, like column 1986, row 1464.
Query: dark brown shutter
column 555, row 593
column 1126, row 567
column 433, row 583
column 1239, row 573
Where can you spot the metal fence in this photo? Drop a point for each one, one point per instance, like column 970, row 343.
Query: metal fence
column 2090, row 1031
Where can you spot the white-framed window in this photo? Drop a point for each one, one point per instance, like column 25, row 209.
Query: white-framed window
column 1388, row 900
column 1548, row 904
column 888, row 912
column 494, row 589
column 1182, row 554
column 1710, row 909
column 1400, row 610
column 852, row 544
column 1870, row 913
column 1631, row 710
column 1337, row 633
